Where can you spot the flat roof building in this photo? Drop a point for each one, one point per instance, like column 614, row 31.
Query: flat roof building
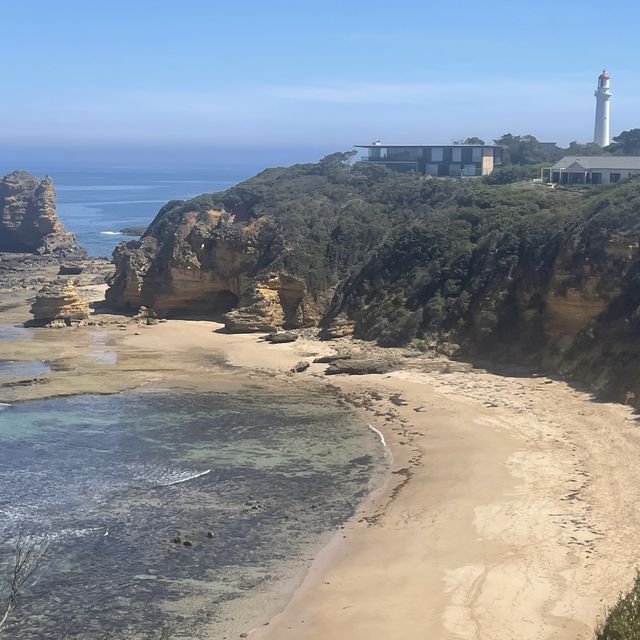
column 453, row 160
column 594, row 169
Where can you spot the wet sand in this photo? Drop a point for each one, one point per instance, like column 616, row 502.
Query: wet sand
column 510, row 509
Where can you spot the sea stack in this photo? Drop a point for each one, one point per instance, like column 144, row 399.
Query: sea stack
column 28, row 219
column 59, row 302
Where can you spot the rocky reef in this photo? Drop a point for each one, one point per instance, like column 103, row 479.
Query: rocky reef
column 521, row 273
column 28, row 219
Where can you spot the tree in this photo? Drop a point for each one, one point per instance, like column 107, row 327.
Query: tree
column 511, row 173
column 626, row 144
column 576, row 148
column 527, row 149
column 29, row 554
column 473, row 140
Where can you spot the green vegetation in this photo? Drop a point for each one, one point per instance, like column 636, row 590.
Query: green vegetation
column 416, row 258
column 626, row 144
column 451, row 263
column 528, row 150
column 623, row 621
column 471, row 140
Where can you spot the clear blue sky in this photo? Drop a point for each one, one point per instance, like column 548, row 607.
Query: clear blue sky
column 321, row 74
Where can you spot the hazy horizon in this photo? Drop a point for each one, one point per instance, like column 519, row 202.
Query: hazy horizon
column 285, row 75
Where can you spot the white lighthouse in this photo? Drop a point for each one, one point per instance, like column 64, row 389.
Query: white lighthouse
column 603, row 95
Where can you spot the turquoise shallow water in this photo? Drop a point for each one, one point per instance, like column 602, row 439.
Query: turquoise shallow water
column 249, row 479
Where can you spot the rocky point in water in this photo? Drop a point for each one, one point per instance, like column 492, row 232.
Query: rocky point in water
column 28, row 219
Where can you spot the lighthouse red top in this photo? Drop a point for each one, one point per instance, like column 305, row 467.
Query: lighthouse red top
column 604, row 75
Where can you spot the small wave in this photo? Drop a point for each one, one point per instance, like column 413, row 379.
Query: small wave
column 159, row 476
column 182, row 476
column 385, row 446
column 4, row 405
column 111, row 233
column 77, row 533
column 47, row 537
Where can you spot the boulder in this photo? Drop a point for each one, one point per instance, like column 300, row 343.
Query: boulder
column 70, row 270
column 28, row 218
column 59, row 302
column 361, row 366
column 340, row 327
column 303, row 365
column 282, row 337
column 329, row 359
column 133, row 231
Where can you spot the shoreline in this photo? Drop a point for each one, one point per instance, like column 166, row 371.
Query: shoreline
column 508, row 510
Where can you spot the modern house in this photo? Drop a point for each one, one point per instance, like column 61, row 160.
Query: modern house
column 436, row 160
column 594, row 169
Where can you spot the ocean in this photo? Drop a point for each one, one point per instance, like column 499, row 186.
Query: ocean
column 97, row 201
column 166, row 509
column 96, row 204
column 172, row 509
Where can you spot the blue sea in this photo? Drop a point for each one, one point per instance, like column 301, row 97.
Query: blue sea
column 98, row 194
column 170, row 509
column 96, row 204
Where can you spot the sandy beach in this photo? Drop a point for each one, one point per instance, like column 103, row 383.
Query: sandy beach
column 509, row 510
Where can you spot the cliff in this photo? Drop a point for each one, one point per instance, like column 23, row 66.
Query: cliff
column 28, row 219
column 515, row 273
column 271, row 249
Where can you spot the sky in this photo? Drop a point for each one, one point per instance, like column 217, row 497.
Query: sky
column 309, row 75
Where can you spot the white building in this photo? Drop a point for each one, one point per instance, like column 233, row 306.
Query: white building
column 594, row 169
column 603, row 96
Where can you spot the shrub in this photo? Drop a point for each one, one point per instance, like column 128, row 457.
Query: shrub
column 623, row 621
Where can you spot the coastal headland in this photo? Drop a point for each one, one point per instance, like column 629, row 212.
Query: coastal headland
column 508, row 510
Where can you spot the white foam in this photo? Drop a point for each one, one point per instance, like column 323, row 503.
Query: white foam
column 182, row 476
column 160, row 476
column 4, row 405
column 111, row 233
column 385, row 446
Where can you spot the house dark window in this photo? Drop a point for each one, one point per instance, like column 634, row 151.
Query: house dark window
column 596, row 178
column 614, row 177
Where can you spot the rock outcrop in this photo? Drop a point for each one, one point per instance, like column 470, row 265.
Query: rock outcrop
column 28, row 219
column 512, row 273
column 203, row 262
column 358, row 366
column 59, row 303
column 282, row 337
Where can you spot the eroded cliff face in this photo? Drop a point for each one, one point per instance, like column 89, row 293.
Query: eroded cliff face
column 206, row 263
column 28, row 219
column 519, row 274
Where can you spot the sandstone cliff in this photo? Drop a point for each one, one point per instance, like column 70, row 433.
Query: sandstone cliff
column 515, row 273
column 247, row 252
column 59, row 301
column 28, row 219
column 203, row 262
